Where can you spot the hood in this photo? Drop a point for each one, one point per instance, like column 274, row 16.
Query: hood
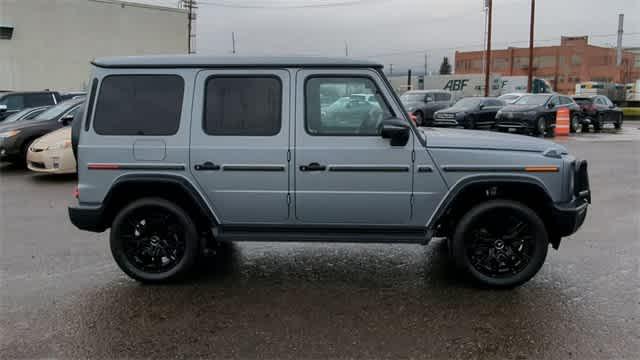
column 454, row 109
column 480, row 139
column 517, row 108
column 53, row 138
column 412, row 104
column 21, row 125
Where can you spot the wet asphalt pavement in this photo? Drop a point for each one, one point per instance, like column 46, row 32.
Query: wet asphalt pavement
column 62, row 295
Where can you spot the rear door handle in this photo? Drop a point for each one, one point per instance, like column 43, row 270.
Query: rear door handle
column 207, row 166
column 314, row 166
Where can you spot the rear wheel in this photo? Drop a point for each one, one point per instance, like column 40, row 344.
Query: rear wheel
column 153, row 241
column 500, row 243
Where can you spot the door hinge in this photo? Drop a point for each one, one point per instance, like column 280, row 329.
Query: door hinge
column 288, row 155
column 413, row 156
column 288, row 199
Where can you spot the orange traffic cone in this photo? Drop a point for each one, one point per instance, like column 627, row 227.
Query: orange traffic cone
column 562, row 122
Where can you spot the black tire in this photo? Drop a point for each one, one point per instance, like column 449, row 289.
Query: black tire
column 530, row 236
column 585, row 128
column 470, row 123
column 24, row 152
column 618, row 123
column 419, row 118
column 574, row 124
column 179, row 231
column 598, row 122
column 541, row 126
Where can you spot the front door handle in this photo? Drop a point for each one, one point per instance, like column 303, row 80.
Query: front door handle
column 207, row 166
column 314, row 166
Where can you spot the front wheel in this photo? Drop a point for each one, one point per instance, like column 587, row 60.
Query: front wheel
column 419, row 118
column 575, row 124
column 153, row 241
column 541, row 126
column 618, row 123
column 500, row 243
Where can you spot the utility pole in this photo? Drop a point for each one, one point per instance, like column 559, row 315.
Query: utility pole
column 346, row 49
column 619, row 44
column 233, row 42
column 530, row 78
column 190, row 5
column 390, row 69
column 487, row 68
column 409, row 80
column 425, row 64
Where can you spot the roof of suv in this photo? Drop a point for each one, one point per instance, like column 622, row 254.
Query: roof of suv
column 189, row 61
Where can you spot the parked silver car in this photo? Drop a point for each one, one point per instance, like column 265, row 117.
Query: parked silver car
column 177, row 153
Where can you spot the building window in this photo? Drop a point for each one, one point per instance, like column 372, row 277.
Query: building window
column 576, row 60
column 6, row 32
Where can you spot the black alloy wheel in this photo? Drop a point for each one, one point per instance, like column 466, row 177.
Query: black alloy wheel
column 153, row 240
column 500, row 243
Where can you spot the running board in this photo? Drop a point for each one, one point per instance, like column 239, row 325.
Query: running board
column 328, row 236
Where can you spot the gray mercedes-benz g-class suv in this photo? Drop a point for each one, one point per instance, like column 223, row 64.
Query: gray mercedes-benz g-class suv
column 178, row 153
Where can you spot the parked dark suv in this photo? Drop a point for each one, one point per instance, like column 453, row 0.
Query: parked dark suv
column 470, row 113
column 424, row 103
column 12, row 102
column 536, row 113
column 598, row 110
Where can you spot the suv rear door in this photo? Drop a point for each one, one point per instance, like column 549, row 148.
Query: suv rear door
column 240, row 143
column 345, row 173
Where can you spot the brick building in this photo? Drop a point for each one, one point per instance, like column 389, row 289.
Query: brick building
column 573, row 61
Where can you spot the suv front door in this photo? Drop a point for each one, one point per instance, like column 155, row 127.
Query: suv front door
column 345, row 173
column 240, row 144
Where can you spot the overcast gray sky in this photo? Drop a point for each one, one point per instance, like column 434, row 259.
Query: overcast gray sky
column 400, row 31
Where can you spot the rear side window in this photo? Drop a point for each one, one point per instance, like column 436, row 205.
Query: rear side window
column 443, row 97
column 243, row 106
column 38, row 99
column 139, row 105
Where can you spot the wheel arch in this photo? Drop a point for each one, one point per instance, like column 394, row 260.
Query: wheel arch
column 176, row 189
column 472, row 190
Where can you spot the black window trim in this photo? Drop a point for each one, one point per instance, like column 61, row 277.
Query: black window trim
column 90, row 104
column 351, row 76
column 246, row 76
column 184, row 89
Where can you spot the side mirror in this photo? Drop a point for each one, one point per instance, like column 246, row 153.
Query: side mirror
column 65, row 120
column 3, row 108
column 481, row 106
column 551, row 105
column 396, row 130
column 428, row 99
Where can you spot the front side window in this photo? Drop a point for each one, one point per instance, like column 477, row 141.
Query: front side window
column 139, row 105
column 13, row 102
column 243, row 106
column 41, row 99
column 351, row 113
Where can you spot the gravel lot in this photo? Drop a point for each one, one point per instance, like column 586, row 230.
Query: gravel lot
column 63, row 297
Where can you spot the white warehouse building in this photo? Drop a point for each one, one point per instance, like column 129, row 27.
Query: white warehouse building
column 48, row 44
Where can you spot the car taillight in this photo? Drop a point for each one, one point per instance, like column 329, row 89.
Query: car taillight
column 76, row 192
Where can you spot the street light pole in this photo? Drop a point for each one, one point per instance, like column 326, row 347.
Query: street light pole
column 530, row 78
column 488, row 57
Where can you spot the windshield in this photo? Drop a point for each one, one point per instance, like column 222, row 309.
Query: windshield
column 467, row 103
column 409, row 97
column 533, row 100
column 55, row 111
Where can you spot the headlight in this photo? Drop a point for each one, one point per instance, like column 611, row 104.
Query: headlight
column 8, row 134
column 499, row 113
column 60, row 145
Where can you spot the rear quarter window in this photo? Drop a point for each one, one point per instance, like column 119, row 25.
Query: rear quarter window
column 139, row 105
